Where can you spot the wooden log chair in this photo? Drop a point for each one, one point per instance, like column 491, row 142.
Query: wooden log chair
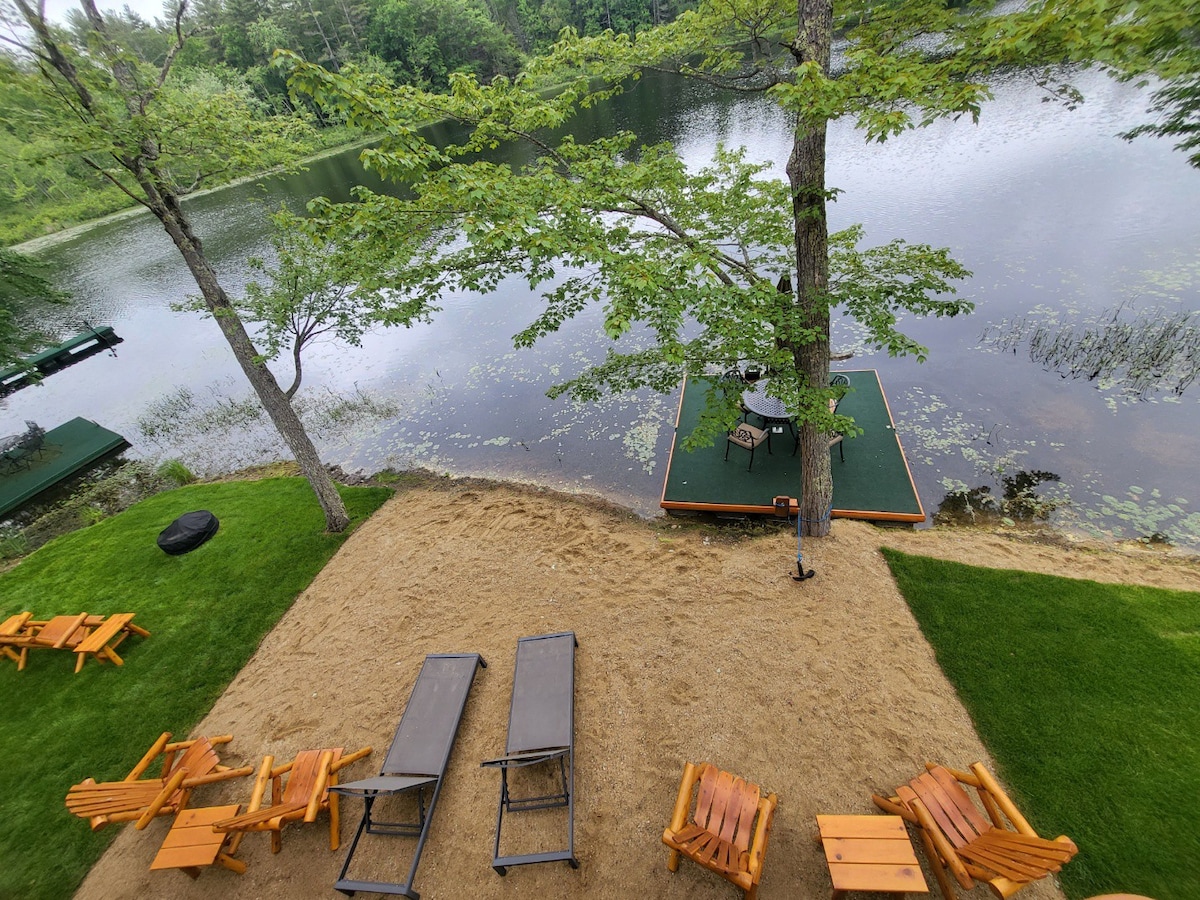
column 1002, row 849
column 310, row 776
column 727, row 833
column 141, row 799
column 16, row 637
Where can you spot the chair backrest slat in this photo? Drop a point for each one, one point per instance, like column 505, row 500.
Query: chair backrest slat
column 199, row 760
column 945, row 812
column 305, row 772
column 749, row 808
column 961, row 799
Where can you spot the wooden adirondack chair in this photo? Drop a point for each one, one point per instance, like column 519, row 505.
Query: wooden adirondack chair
column 728, row 831
column 141, row 799
column 1001, row 849
column 312, row 773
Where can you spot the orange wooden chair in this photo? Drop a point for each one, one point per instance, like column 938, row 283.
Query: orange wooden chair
column 728, row 831
column 141, row 799
column 1000, row 849
column 310, row 776
column 16, row 637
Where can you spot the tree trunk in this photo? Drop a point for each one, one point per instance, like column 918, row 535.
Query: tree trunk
column 273, row 399
column 141, row 162
column 806, row 174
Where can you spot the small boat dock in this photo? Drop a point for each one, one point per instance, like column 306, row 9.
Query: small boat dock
column 29, row 370
column 62, row 451
column 874, row 481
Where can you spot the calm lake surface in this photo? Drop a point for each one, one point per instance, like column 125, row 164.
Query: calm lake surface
column 1059, row 220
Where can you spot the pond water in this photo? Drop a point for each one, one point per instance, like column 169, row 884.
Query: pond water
column 1060, row 221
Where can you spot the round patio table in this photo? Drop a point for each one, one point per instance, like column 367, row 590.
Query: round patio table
column 770, row 409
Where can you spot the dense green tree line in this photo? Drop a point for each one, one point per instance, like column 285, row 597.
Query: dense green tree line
column 417, row 42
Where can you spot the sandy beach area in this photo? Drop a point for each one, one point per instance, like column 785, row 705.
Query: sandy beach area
column 694, row 644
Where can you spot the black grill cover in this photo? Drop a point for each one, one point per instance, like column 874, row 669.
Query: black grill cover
column 188, row 532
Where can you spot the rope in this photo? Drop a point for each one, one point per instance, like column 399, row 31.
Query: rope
column 800, row 520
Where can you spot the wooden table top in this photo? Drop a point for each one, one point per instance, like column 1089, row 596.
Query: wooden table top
column 870, row 853
column 191, row 842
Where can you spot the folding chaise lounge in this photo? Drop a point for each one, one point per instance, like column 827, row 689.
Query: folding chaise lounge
column 541, row 730
column 415, row 762
column 141, row 799
column 1000, row 849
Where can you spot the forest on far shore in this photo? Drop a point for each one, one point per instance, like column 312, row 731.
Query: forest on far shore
column 418, row 42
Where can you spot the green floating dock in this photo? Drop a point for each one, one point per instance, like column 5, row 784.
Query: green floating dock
column 873, row 483
column 68, row 449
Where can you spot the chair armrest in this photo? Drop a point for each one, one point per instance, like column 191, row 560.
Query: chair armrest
column 223, row 775
column 944, row 848
column 144, row 763
column 691, row 774
column 1001, row 799
column 319, row 786
column 766, row 814
column 893, row 806
column 173, row 784
column 349, row 758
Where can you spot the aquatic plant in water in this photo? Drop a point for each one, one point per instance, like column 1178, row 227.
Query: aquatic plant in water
column 1136, row 354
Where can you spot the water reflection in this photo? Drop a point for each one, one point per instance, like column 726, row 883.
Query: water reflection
column 1053, row 214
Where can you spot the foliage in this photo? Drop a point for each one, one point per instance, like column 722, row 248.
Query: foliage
column 206, row 612
column 312, row 292
column 1085, row 695
column 1140, row 354
column 690, row 258
column 22, row 284
column 101, row 493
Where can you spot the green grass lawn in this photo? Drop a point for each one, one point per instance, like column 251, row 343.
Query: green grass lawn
column 206, row 612
column 1088, row 696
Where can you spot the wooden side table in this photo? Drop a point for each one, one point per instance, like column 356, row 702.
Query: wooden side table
column 870, row 853
column 191, row 844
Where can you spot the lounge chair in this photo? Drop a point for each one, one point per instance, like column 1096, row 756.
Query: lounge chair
column 415, row 762
column 310, row 776
column 728, row 832
column 1001, row 849
column 541, row 730
column 141, row 799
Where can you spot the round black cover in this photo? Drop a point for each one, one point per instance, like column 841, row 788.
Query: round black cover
column 188, row 532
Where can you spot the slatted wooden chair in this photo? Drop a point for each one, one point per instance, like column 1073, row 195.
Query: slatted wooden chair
column 310, row 776
column 1000, row 849
column 728, row 832
column 141, row 799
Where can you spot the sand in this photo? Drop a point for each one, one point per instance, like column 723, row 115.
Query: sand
column 694, row 644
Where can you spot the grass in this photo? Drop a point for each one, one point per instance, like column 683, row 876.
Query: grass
column 206, row 612
column 1088, row 697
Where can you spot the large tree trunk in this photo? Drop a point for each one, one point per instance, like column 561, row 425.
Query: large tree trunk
column 806, row 174
column 141, row 162
column 272, row 397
